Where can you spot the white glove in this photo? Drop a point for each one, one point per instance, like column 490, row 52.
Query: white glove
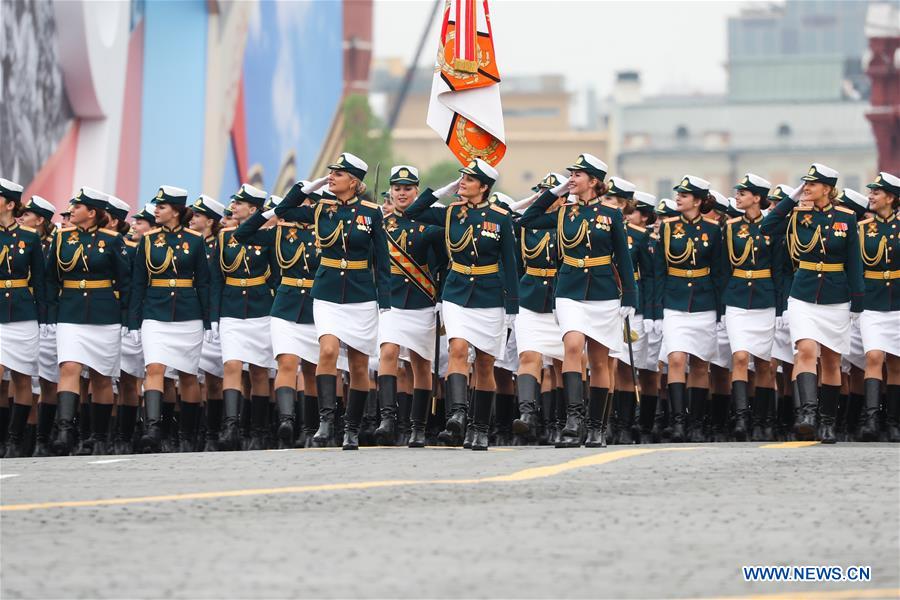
column 214, row 329
column 43, row 331
column 779, row 323
column 626, row 312
column 135, row 335
column 798, row 191
column 720, row 325
column 658, row 326
column 562, row 188
column 314, row 185
column 854, row 317
column 437, row 308
column 648, row 325
column 381, row 311
column 123, row 331
column 450, row 188
column 269, row 214
column 208, row 336
column 509, row 321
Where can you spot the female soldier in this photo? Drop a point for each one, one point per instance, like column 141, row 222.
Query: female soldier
column 23, row 312
column 687, row 275
column 749, row 299
column 169, row 311
column 240, row 302
column 879, row 245
column 828, row 287
column 622, row 193
column 537, row 333
column 88, row 287
column 350, row 234
column 38, row 215
column 590, row 304
column 481, row 246
column 206, row 220
column 294, row 340
column 415, row 252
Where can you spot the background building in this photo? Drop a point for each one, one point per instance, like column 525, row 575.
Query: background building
column 202, row 94
column 797, row 93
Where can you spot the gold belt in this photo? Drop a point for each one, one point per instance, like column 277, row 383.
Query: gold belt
column 755, row 274
column 538, row 272
column 300, row 283
column 14, row 283
column 343, row 263
column 882, row 274
column 250, row 282
column 87, row 284
column 171, row 283
column 475, row 270
column 820, row 266
column 590, row 261
column 688, row 273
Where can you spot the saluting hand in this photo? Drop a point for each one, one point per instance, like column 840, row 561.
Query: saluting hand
column 450, row 188
column 562, row 188
column 314, row 185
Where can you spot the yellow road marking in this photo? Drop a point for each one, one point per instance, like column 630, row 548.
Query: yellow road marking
column 821, row 594
column 789, row 445
column 523, row 475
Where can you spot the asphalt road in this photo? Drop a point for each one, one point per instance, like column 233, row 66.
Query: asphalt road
column 636, row 522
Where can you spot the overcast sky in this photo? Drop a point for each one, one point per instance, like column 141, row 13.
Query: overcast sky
column 678, row 46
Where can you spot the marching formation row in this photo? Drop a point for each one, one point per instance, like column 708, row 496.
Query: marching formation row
column 589, row 311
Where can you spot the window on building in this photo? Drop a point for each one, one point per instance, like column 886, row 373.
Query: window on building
column 681, row 133
column 663, row 188
column 784, row 131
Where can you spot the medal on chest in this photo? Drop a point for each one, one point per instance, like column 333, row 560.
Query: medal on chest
column 806, row 221
column 490, row 230
column 101, row 246
column 292, row 235
column 363, row 223
column 678, row 231
column 603, row 222
column 160, row 240
column 463, row 213
column 744, row 231
column 839, row 228
column 21, row 247
column 574, row 212
column 73, row 239
column 185, row 247
column 872, row 229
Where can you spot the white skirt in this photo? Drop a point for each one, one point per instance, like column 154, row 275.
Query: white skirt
column 539, row 332
column 855, row 356
column 597, row 319
column 132, row 361
column 692, row 333
column 722, row 357
column 94, row 346
column 176, row 344
column 638, row 347
column 782, row 348
column 880, row 331
column 246, row 340
column 654, row 349
column 211, row 358
column 509, row 360
column 827, row 324
column 20, row 346
column 299, row 339
column 751, row 330
column 480, row 327
column 48, row 368
column 355, row 324
column 411, row 329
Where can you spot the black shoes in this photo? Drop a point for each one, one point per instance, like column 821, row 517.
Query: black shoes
column 327, row 389
column 570, row 436
column 386, row 434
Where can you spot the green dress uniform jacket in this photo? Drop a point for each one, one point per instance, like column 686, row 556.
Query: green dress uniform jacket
column 688, row 265
column 22, row 279
column 747, row 260
column 243, row 280
column 354, row 264
column 824, row 242
column 596, row 262
column 540, row 259
column 422, row 244
column 481, row 247
column 171, row 278
column 297, row 257
column 642, row 258
column 879, row 245
column 88, row 277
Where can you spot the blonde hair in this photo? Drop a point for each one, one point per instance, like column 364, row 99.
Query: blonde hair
column 360, row 186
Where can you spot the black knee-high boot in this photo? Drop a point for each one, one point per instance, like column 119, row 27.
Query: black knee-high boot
column 327, row 390
column 741, row 410
column 699, row 402
column 526, row 425
column 676, row 399
column 807, row 394
column 504, row 405
column 214, row 408
column 17, row 421
column 457, row 397
column 418, row 418
column 482, row 416
column 765, row 399
column 892, row 408
column 127, row 420
column 356, row 404
column 648, row 413
column 570, row 437
column 310, row 419
column 597, row 407
column 100, row 414
column 285, row 397
column 627, row 406
column 230, row 436
column 153, row 401
column 386, row 434
column 869, row 430
column 46, row 417
column 828, row 399
column 66, row 406
column 190, row 412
